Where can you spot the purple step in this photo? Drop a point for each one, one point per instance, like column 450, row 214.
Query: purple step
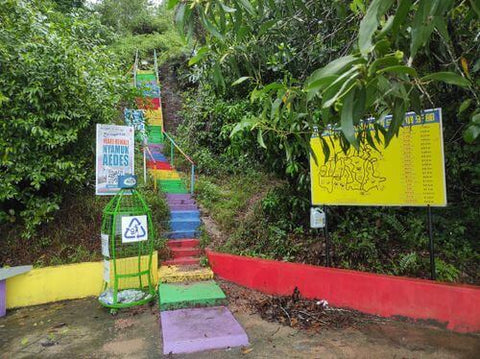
column 3, row 298
column 175, row 202
column 183, row 207
column 179, row 196
column 198, row 329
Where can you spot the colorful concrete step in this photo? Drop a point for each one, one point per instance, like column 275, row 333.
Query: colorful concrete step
column 182, row 234
column 179, row 252
column 198, row 329
column 182, row 261
column 171, row 182
column 155, row 147
column 184, row 224
column 158, row 158
column 187, row 295
column 185, row 215
column 165, row 174
column 159, row 165
column 179, row 197
column 182, row 207
column 174, row 190
column 181, row 201
column 183, row 243
column 174, row 273
column 174, row 184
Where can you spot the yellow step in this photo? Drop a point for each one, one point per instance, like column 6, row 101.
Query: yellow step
column 164, row 174
column 155, row 117
column 172, row 274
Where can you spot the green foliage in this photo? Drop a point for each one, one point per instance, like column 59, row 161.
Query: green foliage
column 143, row 27
column 381, row 71
column 130, row 16
column 205, row 133
column 293, row 65
column 57, row 81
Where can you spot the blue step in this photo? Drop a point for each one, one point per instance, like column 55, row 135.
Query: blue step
column 184, row 225
column 182, row 234
column 158, row 157
column 185, row 215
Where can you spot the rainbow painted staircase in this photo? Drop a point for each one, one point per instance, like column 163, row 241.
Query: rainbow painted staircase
column 193, row 312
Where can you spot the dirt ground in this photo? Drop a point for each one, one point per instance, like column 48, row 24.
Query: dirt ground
column 83, row 329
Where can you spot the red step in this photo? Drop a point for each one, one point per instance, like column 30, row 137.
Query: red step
column 183, row 243
column 159, row 165
column 182, row 261
column 148, row 103
column 185, row 252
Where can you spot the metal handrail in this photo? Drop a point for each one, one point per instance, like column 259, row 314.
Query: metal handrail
column 155, row 64
column 135, row 68
column 192, row 164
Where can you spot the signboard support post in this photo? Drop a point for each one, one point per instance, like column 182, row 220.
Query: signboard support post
column 327, row 239
column 433, row 275
column 144, row 164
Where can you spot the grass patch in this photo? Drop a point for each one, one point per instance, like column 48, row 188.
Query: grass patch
column 228, row 198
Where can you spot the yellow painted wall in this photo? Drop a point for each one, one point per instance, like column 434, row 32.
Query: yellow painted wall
column 72, row 281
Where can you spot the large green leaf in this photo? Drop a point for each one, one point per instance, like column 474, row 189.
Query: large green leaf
column 425, row 20
column 332, row 96
column 400, row 16
column 200, row 55
column 346, row 118
column 370, row 22
column 471, row 133
column 333, row 68
column 448, row 77
column 399, row 69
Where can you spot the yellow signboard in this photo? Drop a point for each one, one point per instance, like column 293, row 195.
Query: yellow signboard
column 409, row 172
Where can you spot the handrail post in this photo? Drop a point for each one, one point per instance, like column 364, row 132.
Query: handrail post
column 171, row 152
column 192, row 181
column 135, row 67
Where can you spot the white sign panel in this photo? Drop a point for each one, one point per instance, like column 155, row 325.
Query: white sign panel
column 115, row 148
column 134, row 229
column 106, row 271
column 105, row 248
column 317, row 218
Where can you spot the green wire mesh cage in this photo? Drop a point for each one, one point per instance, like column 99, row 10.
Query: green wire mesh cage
column 127, row 247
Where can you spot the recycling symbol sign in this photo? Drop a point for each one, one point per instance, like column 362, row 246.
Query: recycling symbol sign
column 134, row 229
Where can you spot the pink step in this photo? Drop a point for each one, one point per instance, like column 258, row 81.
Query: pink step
column 181, row 261
column 178, row 243
column 185, row 252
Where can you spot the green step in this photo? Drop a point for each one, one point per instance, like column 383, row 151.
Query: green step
column 171, row 182
column 175, row 186
column 183, row 295
column 146, row 77
column 155, row 134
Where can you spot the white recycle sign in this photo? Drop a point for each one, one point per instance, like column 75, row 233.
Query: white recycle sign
column 134, row 229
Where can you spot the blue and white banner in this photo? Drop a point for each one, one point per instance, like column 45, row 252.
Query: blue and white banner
column 115, row 151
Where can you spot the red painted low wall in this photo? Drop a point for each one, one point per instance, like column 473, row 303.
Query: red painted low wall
column 457, row 306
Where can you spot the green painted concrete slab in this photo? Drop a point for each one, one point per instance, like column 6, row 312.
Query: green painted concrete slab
column 175, row 190
column 181, row 295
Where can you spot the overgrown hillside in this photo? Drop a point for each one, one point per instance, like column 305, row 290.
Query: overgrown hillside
column 265, row 73
column 64, row 66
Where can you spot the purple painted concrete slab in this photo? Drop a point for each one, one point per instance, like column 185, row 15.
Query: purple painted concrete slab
column 183, row 207
column 158, row 146
column 3, row 298
column 193, row 330
column 181, row 201
column 179, row 196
